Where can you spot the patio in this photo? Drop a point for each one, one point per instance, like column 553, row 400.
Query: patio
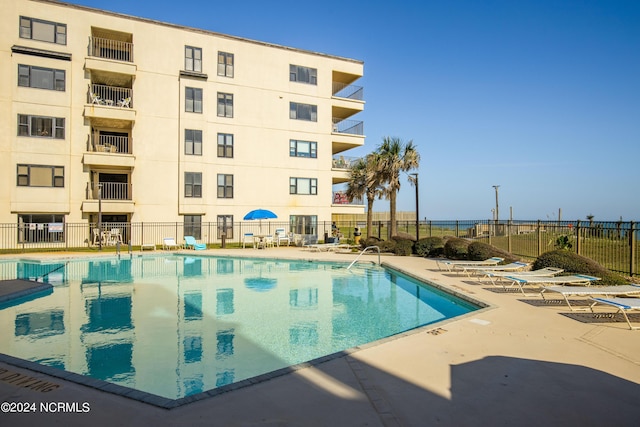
column 517, row 362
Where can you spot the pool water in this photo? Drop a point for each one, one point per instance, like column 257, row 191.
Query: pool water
column 175, row 326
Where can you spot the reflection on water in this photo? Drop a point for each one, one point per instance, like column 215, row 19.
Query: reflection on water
column 176, row 326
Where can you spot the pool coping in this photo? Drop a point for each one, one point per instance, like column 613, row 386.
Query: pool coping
column 168, row 403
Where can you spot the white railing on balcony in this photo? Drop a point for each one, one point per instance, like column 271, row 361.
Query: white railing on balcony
column 343, row 162
column 352, row 127
column 109, row 191
column 341, row 90
column 111, row 49
column 111, row 96
column 110, row 144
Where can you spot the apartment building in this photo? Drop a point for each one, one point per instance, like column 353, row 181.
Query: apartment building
column 135, row 120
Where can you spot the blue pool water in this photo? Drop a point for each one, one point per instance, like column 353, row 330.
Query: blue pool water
column 175, row 325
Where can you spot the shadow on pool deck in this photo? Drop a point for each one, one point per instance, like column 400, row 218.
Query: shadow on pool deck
column 514, row 364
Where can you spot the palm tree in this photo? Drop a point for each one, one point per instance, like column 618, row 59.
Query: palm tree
column 364, row 181
column 395, row 157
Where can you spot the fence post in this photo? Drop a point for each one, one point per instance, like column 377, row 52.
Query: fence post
column 578, row 237
column 509, row 235
column 457, row 225
column 539, row 235
column 490, row 233
column 632, row 249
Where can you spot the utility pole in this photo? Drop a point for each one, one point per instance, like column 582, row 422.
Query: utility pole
column 415, row 176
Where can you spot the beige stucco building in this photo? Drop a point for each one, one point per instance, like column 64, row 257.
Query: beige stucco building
column 153, row 122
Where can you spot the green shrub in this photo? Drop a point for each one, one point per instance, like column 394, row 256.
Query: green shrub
column 404, row 247
column 480, row 251
column 430, row 246
column 387, row 246
column 455, row 248
column 384, row 245
column 573, row 263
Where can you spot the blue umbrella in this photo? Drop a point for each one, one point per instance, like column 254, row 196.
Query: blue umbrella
column 260, row 214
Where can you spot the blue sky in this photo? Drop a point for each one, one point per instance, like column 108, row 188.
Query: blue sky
column 539, row 97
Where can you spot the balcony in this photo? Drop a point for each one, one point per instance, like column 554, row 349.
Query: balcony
column 341, row 90
column 109, row 151
column 114, row 50
column 109, row 144
column 340, row 198
column 350, row 127
column 343, row 162
column 109, row 190
column 110, row 103
column 114, row 197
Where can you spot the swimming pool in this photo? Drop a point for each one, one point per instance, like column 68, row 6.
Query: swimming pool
column 176, row 326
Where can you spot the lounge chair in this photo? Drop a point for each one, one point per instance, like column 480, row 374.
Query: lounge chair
column 125, row 102
column 622, row 304
column 190, row 242
column 475, row 269
column 541, row 281
column 168, row 243
column 449, row 264
column 590, row 291
column 542, row 272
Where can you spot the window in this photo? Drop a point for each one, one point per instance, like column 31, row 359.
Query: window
column 225, row 145
column 304, row 224
column 225, row 105
column 193, row 100
column 34, row 228
column 193, row 226
column 303, row 186
column 192, row 184
column 303, row 112
column 303, row 74
column 44, row 31
column 225, row 186
column 303, row 148
column 193, row 59
column 225, row 64
column 40, row 176
column 193, row 142
column 43, row 127
column 41, row 78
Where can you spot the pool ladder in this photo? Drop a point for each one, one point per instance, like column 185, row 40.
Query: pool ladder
column 362, row 253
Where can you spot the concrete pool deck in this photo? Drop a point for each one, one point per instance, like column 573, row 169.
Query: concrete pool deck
column 518, row 362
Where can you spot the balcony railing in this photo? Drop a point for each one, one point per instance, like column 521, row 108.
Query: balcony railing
column 111, row 49
column 109, row 190
column 340, row 198
column 109, row 144
column 341, row 90
column 353, row 127
column 111, row 96
column 343, row 162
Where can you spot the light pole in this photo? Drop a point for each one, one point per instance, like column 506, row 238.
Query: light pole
column 415, row 180
column 497, row 208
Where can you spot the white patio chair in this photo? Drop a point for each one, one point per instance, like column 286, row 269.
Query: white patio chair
column 248, row 238
column 125, row 103
column 282, row 236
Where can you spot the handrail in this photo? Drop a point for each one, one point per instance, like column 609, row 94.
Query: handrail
column 362, row 253
column 49, row 272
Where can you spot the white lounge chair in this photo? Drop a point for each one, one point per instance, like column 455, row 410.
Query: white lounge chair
column 622, row 304
column 522, row 281
column 449, row 264
column 475, row 269
column 168, row 243
column 542, row 272
column 590, row 291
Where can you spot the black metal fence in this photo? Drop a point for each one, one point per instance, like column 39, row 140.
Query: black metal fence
column 612, row 244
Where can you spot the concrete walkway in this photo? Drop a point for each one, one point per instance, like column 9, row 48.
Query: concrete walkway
column 519, row 362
